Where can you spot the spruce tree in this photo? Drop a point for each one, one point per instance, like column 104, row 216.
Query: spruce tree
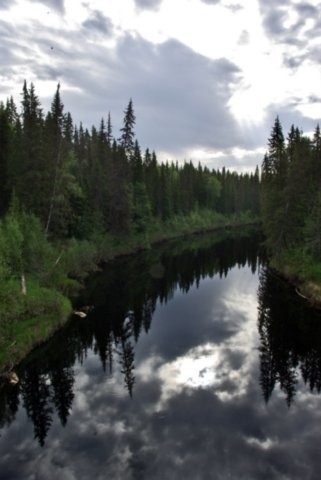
column 30, row 166
column 55, row 122
column 109, row 132
column 120, row 191
column 273, row 198
column 141, row 204
column 4, row 155
column 297, row 196
column 151, row 174
column 126, row 139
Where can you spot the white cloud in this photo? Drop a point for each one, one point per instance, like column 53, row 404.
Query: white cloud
column 122, row 48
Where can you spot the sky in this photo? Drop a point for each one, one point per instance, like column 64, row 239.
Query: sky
column 207, row 77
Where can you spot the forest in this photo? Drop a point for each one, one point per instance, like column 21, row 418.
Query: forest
column 291, row 204
column 73, row 197
column 77, row 181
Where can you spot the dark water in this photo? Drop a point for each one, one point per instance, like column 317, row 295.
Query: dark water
column 195, row 363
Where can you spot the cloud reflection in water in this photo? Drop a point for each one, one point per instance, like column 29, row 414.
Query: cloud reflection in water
column 197, row 410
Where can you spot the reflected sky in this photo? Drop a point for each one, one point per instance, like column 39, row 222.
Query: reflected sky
column 196, row 412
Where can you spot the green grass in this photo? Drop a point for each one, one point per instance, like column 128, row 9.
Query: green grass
column 297, row 263
column 26, row 321
column 302, row 270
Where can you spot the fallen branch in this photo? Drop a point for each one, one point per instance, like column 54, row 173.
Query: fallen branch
column 301, row 295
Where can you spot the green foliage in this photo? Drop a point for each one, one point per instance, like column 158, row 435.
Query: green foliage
column 28, row 320
column 141, row 208
column 274, row 174
column 23, row 245
column 302, row 268
column 5, row 136
column 127, row 131
column 12, row 243
column 79, row 258
column 76, row 183
column 79, row 198
column 312, row 231
column 291, row 202
column 11, row 304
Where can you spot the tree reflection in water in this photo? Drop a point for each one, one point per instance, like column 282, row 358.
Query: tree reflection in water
column 124, row 296
column 290, row 338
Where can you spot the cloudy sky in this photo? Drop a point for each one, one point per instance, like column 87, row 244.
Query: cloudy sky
column 207, row 77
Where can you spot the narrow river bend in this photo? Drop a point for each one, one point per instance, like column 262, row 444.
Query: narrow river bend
column 195, row 362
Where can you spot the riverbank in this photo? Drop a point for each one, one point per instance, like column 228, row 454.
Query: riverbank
column 29, row 320
column 176, row 227
column 303, row 272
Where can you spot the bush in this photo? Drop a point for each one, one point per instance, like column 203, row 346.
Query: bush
column 79, row 258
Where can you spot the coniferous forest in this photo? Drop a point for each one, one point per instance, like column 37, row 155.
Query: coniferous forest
column 77, row 181
column 72, row 197
column 291, row 204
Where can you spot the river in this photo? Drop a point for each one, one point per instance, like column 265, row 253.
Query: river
column 195, row 361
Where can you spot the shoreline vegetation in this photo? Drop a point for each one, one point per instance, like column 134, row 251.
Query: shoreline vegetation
column 73, row 197
column 35, row 317
column 302, row 273
column 291, row 208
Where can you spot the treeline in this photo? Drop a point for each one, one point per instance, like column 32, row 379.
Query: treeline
column 72, row 197
column 291, row 199
column 76, row 181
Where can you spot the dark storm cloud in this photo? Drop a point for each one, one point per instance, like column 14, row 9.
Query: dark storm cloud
column 148, row 4
column 57, row 5
column 99, row 23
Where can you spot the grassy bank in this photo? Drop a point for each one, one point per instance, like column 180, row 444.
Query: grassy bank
column 303, row 271
column 28, row 320
column 157, row 232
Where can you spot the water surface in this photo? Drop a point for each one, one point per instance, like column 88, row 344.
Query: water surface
column 195, row 362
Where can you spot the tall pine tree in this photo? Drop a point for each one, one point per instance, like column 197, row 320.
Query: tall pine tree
column 126, row 139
